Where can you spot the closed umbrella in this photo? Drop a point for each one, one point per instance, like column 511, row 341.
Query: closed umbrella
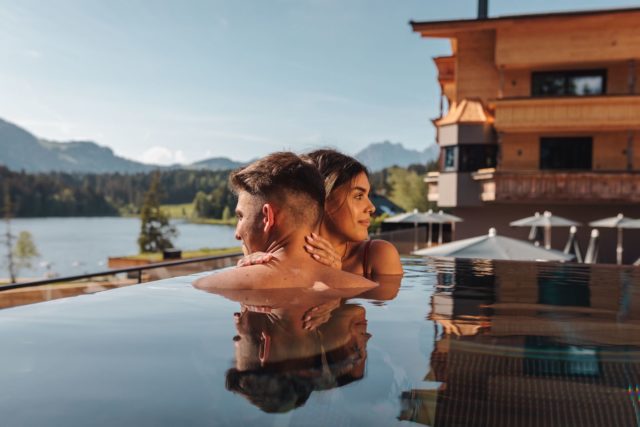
column 492, row 246
column 572, row 246
column 547, row 220
column 591, row 257
column 619, row 222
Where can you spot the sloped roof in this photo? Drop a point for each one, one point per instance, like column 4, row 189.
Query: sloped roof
column 469, row 111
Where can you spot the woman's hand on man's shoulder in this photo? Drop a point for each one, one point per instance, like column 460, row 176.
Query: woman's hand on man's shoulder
column 255, row 258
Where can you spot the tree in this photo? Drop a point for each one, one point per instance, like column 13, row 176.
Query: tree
column 201, row 205
column 226, row 214
column 155, row 231
column 408, row 189
column 24, row 250
column 8, row 236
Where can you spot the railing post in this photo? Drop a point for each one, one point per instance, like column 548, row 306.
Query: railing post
column 140, row 276
column 630, row 150
column 631, row 76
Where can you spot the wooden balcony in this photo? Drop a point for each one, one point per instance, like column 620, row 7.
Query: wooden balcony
column 576, row 113
column 547, row 186
column 446, row 69
column 432, row 186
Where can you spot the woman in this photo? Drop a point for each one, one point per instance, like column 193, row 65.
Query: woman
column 342, row 241
column 344, row 230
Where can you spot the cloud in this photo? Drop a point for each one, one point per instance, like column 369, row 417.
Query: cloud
column 163, row 156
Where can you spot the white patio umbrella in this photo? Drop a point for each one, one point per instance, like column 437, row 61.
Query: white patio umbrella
column 492, row 246
column 547, row 220
column 446, row 218
column 416, row 218
column 619, row 222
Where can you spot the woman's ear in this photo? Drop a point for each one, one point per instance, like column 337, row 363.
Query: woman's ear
column 268, row 217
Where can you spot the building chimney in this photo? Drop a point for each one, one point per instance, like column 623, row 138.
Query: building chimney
column 483, row 9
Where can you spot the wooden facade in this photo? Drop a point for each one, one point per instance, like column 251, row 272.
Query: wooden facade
column 562, row 92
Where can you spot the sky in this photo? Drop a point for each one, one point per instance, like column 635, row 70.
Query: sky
column 179, row 81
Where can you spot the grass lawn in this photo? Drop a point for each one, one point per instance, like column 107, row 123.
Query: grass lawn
column 182, row 211
column 186, row 211
column 157, row 256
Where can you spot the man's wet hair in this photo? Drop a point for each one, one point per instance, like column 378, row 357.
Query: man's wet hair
column 282, row 386
column 335, row 168
column 287, row 180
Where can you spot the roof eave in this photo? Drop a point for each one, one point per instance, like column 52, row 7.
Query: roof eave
column 450, row 28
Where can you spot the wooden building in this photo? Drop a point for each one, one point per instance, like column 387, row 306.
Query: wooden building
column 539, row 112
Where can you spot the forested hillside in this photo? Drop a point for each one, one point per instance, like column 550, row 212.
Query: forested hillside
column 64, row 194
column 75, row 194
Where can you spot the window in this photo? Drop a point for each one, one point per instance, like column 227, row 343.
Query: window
column 469, row 157
column 449, row 159
column 569, row 83
column 566, row 153
column 477, row 156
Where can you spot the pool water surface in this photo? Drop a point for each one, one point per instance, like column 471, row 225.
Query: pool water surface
column 457, row 342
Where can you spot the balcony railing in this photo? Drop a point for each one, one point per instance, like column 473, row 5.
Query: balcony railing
column 575, row 113
column 547, row 186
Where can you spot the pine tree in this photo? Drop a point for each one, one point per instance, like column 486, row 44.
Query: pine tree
column 24, row 250
column 202, row 205
column 155, row 231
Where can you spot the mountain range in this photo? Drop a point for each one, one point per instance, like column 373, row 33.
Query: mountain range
column 380, row 155
column 21, row 150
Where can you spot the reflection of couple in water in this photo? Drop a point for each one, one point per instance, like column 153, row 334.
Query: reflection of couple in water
column 280, row 361
column 303, row 222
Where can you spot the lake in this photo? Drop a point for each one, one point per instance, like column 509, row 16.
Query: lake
column 70, row 246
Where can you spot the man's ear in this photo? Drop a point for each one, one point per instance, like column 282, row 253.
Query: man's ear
column 268, row 217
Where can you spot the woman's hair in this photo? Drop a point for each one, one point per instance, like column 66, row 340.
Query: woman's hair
column 335, row 168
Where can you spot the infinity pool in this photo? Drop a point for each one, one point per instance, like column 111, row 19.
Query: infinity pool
column 475, row 343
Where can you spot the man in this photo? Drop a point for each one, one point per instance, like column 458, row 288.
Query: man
column 280, row 201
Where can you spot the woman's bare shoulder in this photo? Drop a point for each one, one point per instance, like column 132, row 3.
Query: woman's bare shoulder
column 384, row 258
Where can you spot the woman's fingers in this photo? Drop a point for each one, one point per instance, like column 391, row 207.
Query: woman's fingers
column 321, row 243
column 318, row 315
column 255, row 258
column 322, row 251
column 324, row 258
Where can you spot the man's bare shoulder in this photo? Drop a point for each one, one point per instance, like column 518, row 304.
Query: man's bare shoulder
column 282, row 275
column 249, row 277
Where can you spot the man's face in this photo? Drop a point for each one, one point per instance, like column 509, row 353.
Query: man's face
column 250, row 227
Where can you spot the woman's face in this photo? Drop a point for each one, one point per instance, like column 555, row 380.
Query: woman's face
column 348, row 209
